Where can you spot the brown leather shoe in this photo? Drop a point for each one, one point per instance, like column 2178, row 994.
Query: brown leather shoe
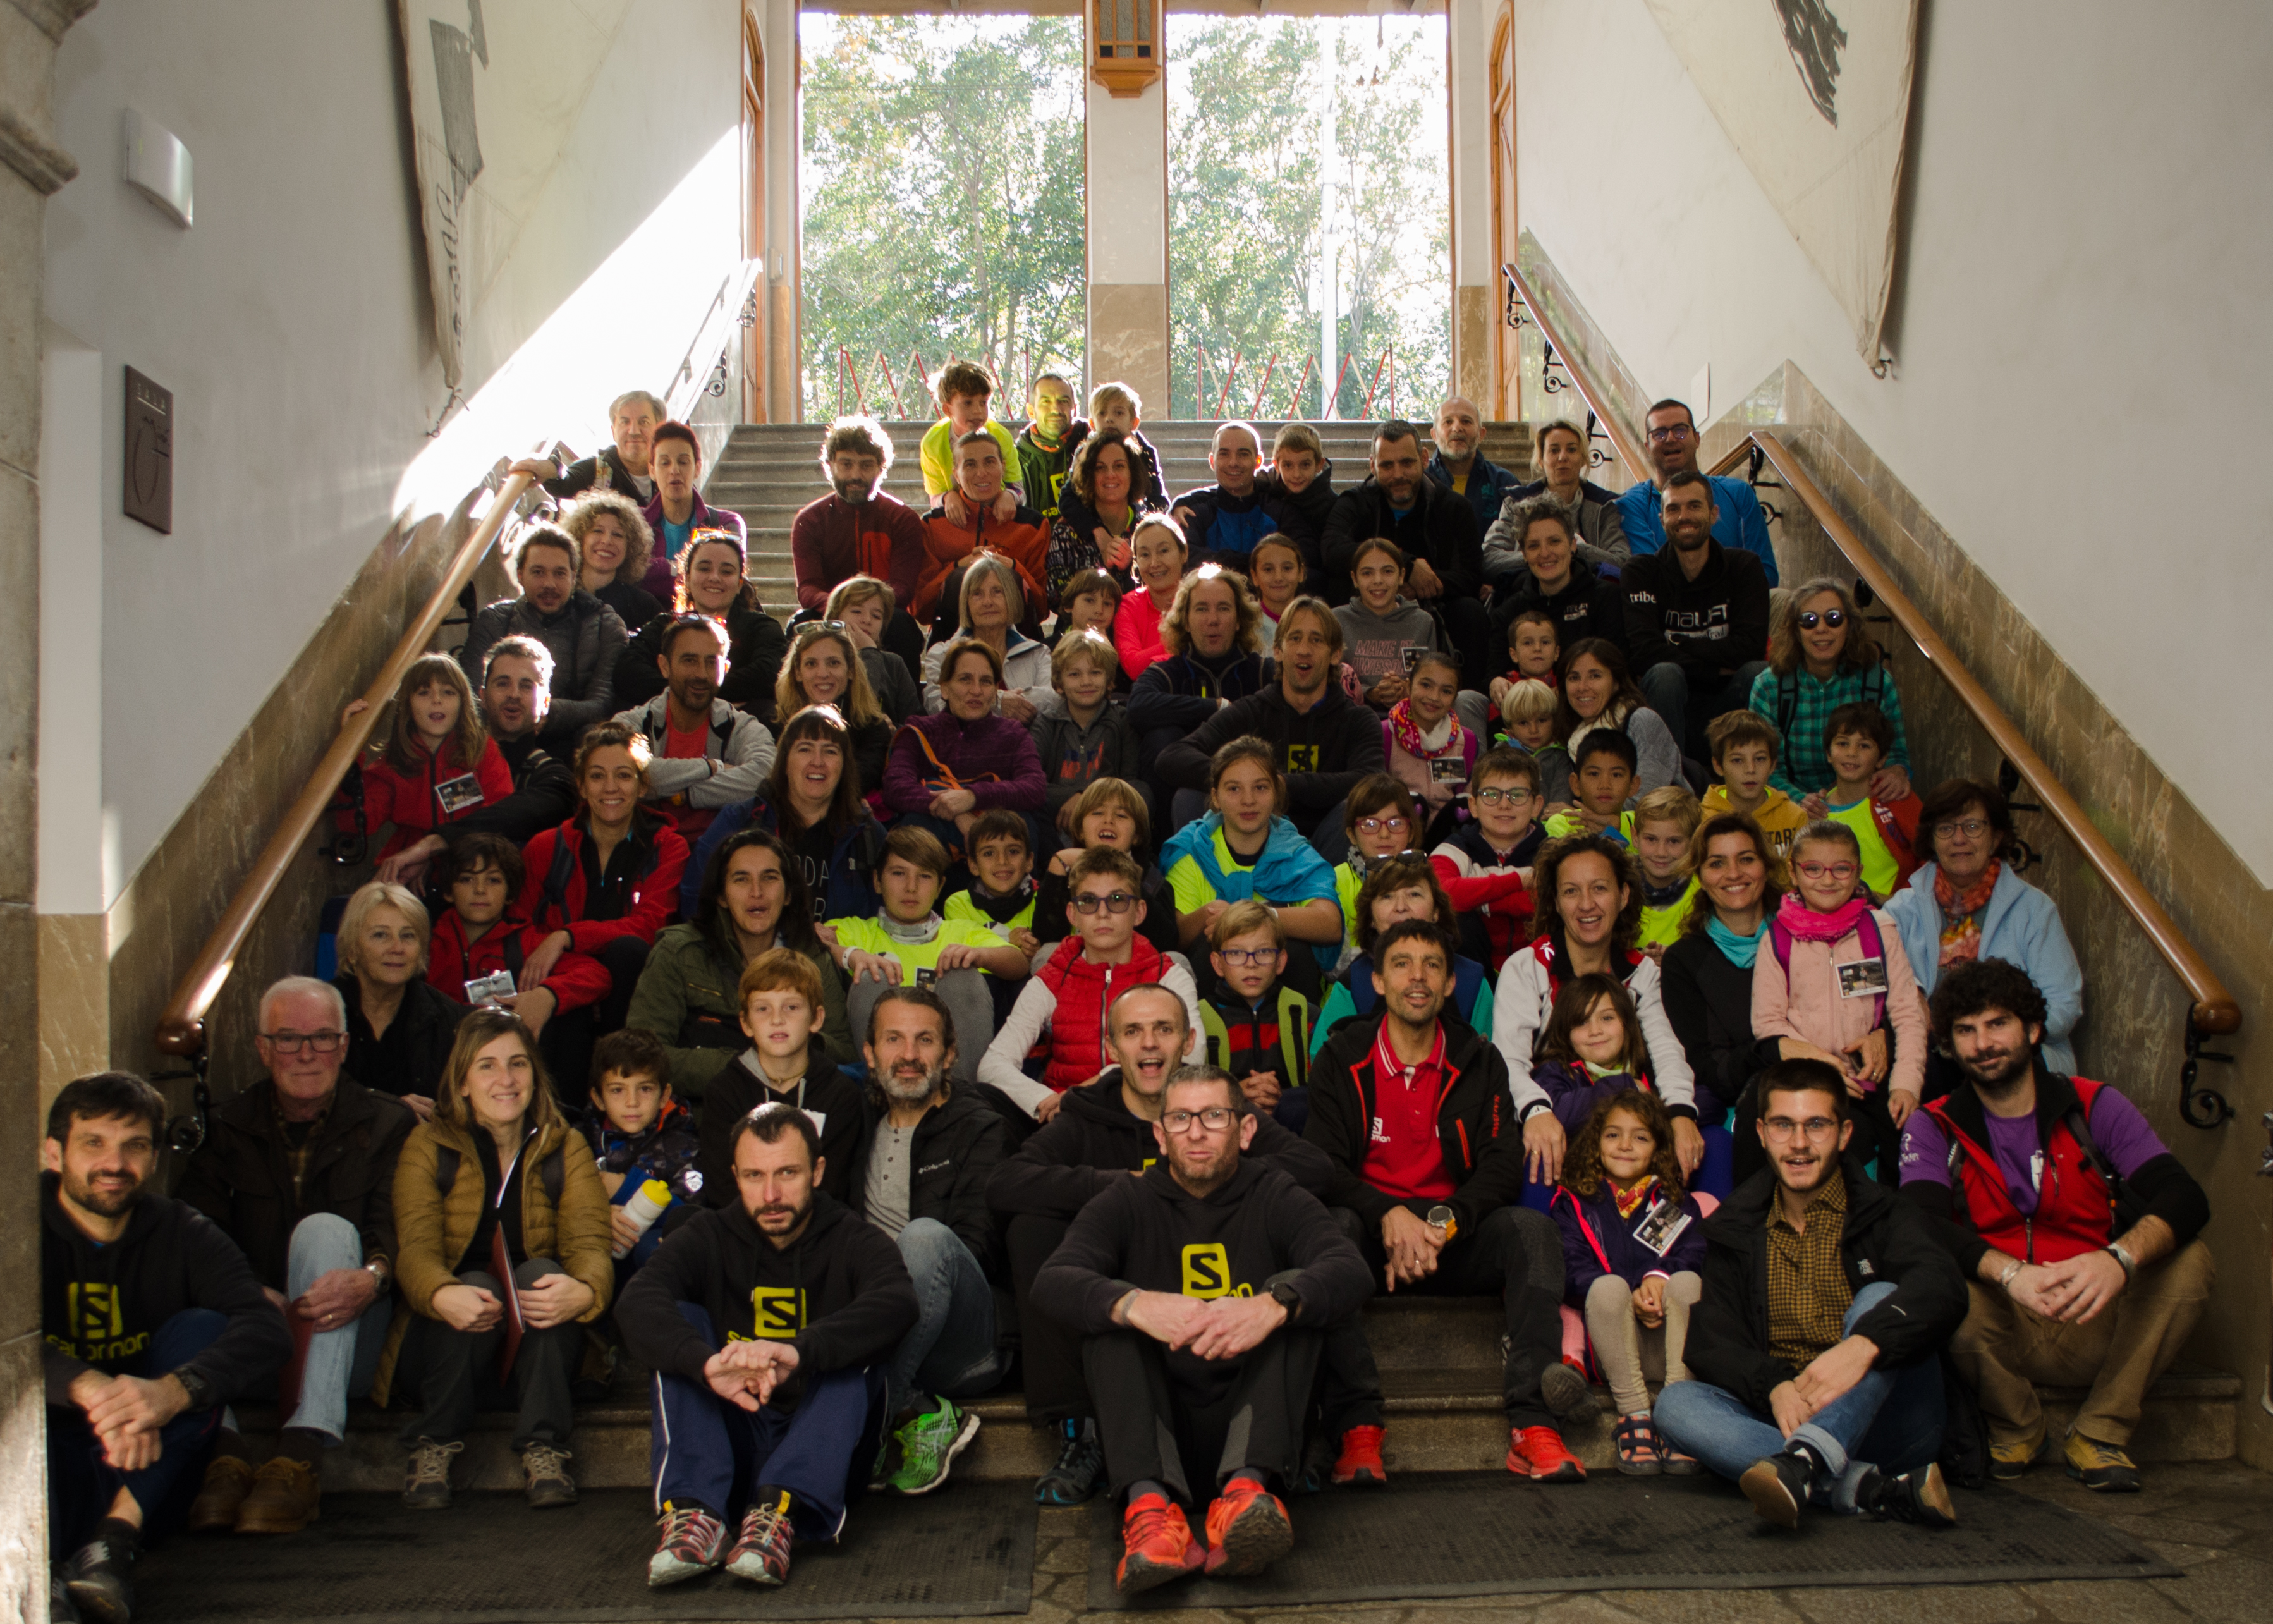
column 286, row 1497
column 227, row 1481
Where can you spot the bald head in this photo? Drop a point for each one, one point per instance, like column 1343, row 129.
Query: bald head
column 1232, row 457
column 1460, row 430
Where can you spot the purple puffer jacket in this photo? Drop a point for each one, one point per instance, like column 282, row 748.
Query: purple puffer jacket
column 992, row 757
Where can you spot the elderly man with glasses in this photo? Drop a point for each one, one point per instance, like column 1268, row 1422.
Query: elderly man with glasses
column 299, row 1169
column 1738, row 523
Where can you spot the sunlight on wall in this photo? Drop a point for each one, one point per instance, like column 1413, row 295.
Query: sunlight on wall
column 628, row 326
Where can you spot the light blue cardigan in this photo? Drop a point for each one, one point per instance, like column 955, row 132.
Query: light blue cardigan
column 2021, row 926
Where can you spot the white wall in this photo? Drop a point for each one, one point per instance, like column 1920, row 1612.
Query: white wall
column 292, row 327
column 2085, row 275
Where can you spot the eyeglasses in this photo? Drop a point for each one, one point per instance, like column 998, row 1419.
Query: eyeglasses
column 301, row 1042
column 1972, row 828
column 1494, row 797
column 1384, row 825
column 1671, row 430
column 1118, row 902
column 1215, row 1119
column 1835, row 871
column 1247, row 956
column 1809, row 619
column 1783, row 1128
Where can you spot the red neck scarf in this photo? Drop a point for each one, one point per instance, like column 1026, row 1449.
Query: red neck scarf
column 1956, row 905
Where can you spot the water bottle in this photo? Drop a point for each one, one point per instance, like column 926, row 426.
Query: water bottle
column 645, row 1207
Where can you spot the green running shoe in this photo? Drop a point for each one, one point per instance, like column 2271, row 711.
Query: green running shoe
column 929, row 1446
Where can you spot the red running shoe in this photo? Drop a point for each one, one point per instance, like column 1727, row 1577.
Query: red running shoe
column 1537, row 1452
column 1360, row 1458
column 1248, row 1529
column 1158, row 1546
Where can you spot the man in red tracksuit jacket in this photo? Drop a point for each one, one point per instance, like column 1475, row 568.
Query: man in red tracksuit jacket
column 856, row 530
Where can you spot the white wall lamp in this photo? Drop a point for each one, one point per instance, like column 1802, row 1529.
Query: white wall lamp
column 158, row 167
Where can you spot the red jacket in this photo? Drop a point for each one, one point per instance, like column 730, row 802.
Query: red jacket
column 1024, row 541
column 1897, row 823
column 576, row 981
column 650, row 863
column 832, row 541
column 412, row 801
column 2074, row 1211
column 1077, row 1040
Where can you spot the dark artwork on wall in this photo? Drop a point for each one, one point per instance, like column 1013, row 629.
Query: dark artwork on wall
column 1815, row 38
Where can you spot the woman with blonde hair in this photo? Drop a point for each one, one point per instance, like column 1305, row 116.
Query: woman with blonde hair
column 613, row 546
column 988, row 610
column 824, row 667
column 891, row 644
column 498, row 1185
column 399, row 1026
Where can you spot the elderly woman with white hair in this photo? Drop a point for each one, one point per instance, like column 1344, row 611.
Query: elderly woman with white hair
column 399, row 1025
column 988, row 609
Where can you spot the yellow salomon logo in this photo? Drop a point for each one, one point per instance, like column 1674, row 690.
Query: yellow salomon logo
column 1207, row 1272
column 776, row 1313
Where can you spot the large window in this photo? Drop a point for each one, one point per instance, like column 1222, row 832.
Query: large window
column 1309, row 228
column 943, row 204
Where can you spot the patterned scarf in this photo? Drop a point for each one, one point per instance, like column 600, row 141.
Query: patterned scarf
column 1960, row 913
column 1416, row 743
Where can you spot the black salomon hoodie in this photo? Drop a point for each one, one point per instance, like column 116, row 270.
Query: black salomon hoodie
column 839, row 1294
column 1095, row 1142
column 1323, row 751
column 1151, row 1234
column 101, row 1304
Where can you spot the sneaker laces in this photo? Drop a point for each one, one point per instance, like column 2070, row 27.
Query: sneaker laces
column 687, row 1526
column 1148, row 1524
column 429, row 1463
column 762, row 1525
column 544, row 1461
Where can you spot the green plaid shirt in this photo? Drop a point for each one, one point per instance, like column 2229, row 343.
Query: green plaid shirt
column 1808, row 1293
column 1802, row 768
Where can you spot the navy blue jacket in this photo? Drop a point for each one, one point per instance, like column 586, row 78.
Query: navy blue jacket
column 1594, row 1234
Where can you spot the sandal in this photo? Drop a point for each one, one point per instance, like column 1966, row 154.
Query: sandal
column 1638, row 1451
column 1677, row 1464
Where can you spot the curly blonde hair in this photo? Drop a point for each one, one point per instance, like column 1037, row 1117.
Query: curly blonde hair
column 639, row 538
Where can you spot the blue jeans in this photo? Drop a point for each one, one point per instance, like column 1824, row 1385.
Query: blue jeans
column 1891, row 1419
column 82, row 1486
column 949, row 1353
column 706, row 1451
column 339, row 1363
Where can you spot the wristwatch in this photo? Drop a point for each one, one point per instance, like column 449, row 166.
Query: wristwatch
column 1444, row 1218
column 200, row 1390
column 1287, row 1297
column 377, row 1272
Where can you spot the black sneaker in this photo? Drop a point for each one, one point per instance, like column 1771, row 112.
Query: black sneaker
column 98, row 1579
column 1778, row 1485
column 1921, row 1497
column 1080, row 1470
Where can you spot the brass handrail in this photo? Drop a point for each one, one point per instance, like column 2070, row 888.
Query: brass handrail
column 182, row 1026
column 2214, row 1012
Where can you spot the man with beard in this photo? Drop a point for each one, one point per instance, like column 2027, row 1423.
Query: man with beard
column 1434, row 527
column 706, row 753
column 1045, row 445
column 856, row 530
column 152, row 1321
column 515, row 694
column 919, row 1170
column 2078, row 1233
column 1203, row 1290
column 769, row 1324
column 1814, row 1356
column 1697, row 617
column 1739, row 524
column 1464, row 470
column 619, row 466
column 1102, row 1132
column 584, row 635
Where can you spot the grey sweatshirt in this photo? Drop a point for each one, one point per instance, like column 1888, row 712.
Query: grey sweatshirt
column 1375, row 644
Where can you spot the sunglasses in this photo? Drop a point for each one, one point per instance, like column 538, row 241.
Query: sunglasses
column 1118, row 902
column 1833, row 617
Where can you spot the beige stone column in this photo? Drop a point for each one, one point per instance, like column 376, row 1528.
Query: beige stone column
column 1467, row 86
column 32, row 168
column 1127, row 162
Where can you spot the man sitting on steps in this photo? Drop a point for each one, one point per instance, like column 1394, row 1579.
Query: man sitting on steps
column 767, row 1323
column 1102, row 1134
column 2079, row 1233
column 1415, row 1114
column 1203, row 1290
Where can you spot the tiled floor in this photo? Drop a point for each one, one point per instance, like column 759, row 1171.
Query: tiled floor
column 2216, row 1521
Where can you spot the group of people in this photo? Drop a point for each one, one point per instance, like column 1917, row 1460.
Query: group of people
column 1106, row 937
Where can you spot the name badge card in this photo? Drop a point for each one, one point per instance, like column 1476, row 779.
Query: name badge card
column 1866, row 978
column 1662, row 1227
column 459, row 794
column 491, row 988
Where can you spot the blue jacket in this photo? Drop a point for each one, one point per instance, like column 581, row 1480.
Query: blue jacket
column 850, row 891
column 1590, row 1222
column 1287, row 871
column 1739, row 522
column 1489, row 486
column 2022, row 925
